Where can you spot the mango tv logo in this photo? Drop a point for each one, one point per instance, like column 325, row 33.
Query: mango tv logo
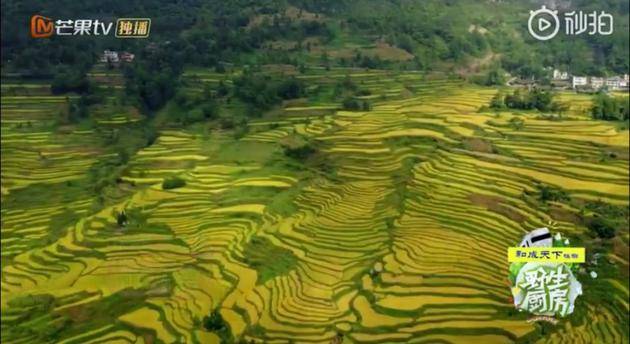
column 43, row 27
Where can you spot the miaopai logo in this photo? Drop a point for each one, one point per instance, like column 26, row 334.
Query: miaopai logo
column 544, row 24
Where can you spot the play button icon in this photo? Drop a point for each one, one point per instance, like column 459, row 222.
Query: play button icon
column 548, row 24
column 543, row 24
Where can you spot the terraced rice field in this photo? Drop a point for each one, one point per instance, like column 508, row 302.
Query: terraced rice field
column 425, row 188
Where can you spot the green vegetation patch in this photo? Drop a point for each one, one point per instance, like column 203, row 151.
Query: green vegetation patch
column 268, row 259
column 214, row 322
column 245, row 151
column 173, row 183
column 34, row 317
column 610, row 108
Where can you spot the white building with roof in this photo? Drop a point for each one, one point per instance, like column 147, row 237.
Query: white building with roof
column 577, row 81
column 110, row 56
column 560, row 75
column 597, row 82
column 614, row 83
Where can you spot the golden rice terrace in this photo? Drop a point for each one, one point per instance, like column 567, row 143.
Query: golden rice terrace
column 394, row 231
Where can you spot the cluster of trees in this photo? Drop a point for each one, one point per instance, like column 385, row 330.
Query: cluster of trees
column 261, row 91
column 214, row 322
column 609, row 108
column 301, row 152
column 548, row 193
column 601, row 227
column 195, row 107
column 535, row 99
column 284, row 27
column 353, row 104
column 606, row 218
column 227, row 36
column 434, row 33
column 67, row 80
column 494, row 76
column 363, row 61
column 70, row 80
column 152, row 79
column 78, row 109
column 348, row 89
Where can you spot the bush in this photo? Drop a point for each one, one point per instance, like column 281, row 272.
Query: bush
column 300, row 153
column 494, row 77
column 366, row 106
column 210, row 109
column 537, row 99
column 291, row 88
column 121, row 218
column 214, row 321
column 173, row 183
column 70, row 81
column 550, row 193
column 351, row 104
column 601, row 227
column 151, row 135
column 226, row 123
column 240, row 132
column 610, row 108
column 516, row 123
column 497, row 101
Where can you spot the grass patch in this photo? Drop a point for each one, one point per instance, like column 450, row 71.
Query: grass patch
column 269, row 260
column 173, row 183
column 244, row 151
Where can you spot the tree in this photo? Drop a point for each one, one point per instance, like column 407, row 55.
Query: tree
column 494, row 77
column 610, row 108
column 301, row 153
column 121, row 219
column 222, row 89
column 290, row 88
column 173, row 183
column 601, row 227
column 69, row 80
column 153, row 78
column 349, row 103
column 366, row 106
column 516, row 123
column 210, row 109
column 497, row 101
column 528, row 100
column 214, row 321
column 549, row 193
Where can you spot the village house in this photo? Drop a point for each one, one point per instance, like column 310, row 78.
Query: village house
column 616, row 83
column 597, row 82
column 110, row 56
column 126, row 56
column 114, row 57
column 559, row 75
column 579, row 81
